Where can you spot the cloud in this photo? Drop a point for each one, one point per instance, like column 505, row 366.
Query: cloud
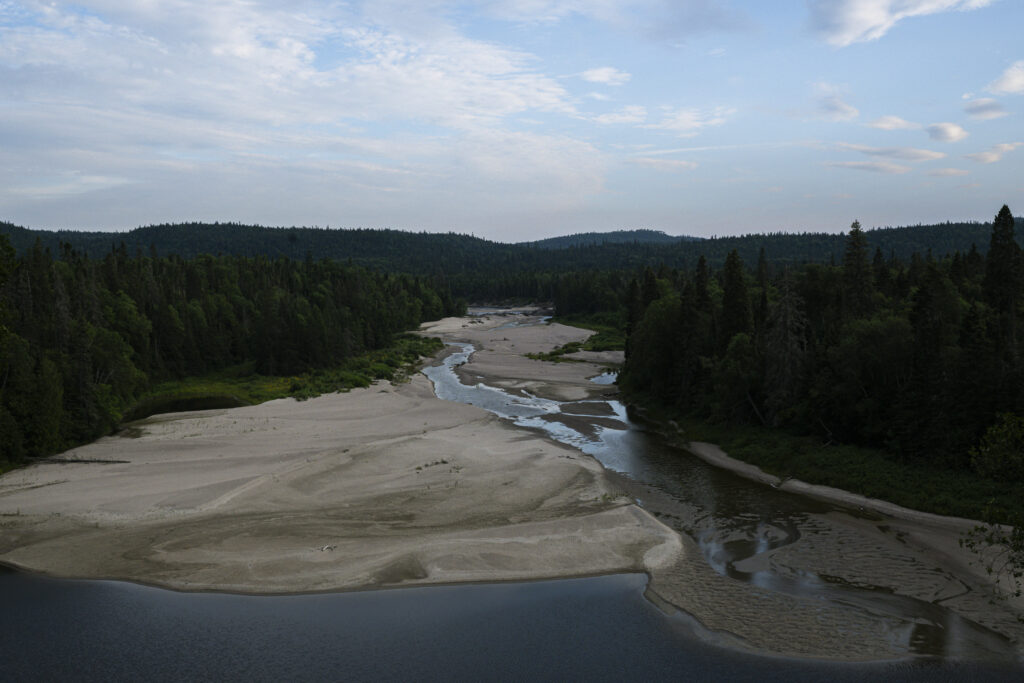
column 270, row 112
column 669, row 165
column 946, row 132
column 689, row 121
column 995, row 153
column 1011, row 82
column 894, row 123
column 657, row 19
column 901, row 153
column 833, row 108
column 871, row 166
column 984, row 108
column 608, row 75
column 844, row 22
column 947, row 172
column 630, row 114
column 831, row 105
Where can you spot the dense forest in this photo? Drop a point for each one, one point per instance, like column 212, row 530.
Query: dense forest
column 908, row 340
column 479, row 269
column 921, row 357
column 82, row 338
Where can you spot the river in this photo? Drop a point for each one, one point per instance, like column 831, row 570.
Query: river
column 599, row 628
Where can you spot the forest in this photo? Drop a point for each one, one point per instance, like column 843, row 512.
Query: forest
column 82, row 339
column 920, row 359
column 908, row 342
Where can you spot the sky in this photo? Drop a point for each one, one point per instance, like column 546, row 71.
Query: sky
column 511, row 120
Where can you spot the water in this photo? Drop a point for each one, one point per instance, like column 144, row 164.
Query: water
column 596, row 629
column 735, row 522
column 593, row 629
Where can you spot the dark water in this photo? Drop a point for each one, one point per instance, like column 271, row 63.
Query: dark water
column 597, row 629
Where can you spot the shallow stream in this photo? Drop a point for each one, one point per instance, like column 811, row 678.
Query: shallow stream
column 741, row 527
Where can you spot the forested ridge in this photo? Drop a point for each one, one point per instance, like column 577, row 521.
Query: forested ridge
column 81, row 338
column 920, row 357
column 481, row 269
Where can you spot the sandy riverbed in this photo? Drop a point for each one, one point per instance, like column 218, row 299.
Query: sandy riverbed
column 392, row 486
column 376, row 487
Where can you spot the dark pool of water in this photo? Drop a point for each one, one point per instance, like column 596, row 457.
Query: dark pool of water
column 597, row 629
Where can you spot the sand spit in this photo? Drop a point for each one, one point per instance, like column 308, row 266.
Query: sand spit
column 377, row 487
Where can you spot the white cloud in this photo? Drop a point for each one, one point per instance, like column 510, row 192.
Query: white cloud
column 607, row 75
column 946, row 132
column 831, row 105
column 995, row 153
column 871, row 166
column 669, row 165
column 901, row 153
column 844, row 22
column 599, row 96
column 1011, row 82
column 689, row 121
column 630, row 114
column 658, row 19
column 984, row 108
column 947, row 172
column 894, row 123
column 833, row 108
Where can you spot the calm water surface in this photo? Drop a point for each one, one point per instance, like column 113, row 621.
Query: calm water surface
column 597, row 629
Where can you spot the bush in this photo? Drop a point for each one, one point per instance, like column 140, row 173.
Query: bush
column 1000, row 454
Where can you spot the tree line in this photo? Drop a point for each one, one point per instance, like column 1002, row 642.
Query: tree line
column 922, row 357
column 81, row 338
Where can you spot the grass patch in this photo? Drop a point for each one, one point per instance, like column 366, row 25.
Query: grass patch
column 610, row 330
column 609, row 336
column 869, row 472
column 239, row 386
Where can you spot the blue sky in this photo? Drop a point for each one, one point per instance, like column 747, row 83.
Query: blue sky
column 511, row 119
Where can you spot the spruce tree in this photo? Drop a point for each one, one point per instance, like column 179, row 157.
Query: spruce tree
column 857, row 285
column 736, row 315
column 1002, row 283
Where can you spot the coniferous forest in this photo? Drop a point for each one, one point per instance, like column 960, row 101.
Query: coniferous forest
column 906, row 341
column 919, row 358
column 81, row 338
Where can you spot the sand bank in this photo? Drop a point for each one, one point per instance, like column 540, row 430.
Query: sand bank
column 377, row 487
column 392, row 486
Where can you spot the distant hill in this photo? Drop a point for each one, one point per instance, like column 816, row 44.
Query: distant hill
column 451, row 254
column 581, row 239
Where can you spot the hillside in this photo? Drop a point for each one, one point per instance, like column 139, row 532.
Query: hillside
column 454, row 254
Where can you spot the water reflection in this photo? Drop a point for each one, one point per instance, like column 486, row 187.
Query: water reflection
column 736, row 523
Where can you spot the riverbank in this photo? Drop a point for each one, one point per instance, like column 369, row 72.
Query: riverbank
column 391, row 486
column 381, row 486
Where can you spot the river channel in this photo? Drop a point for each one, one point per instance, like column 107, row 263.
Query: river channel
column 597, row 628
column 740, row 527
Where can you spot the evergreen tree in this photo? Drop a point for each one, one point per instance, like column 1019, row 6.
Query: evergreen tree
column 1002, row 283
column 857, row 285
column 736, row 314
